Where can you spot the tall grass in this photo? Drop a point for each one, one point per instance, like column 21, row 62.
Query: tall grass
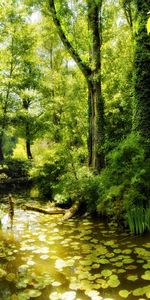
column 138, row 219
column 147, row 218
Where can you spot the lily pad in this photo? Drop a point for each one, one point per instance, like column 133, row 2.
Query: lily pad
column 23, row 268
column 106, row 272
column 131, row 267
column 2, row 273
column 142, row 252
column 95, row 266
column 127, row 251
column 120, row 271
column 29, row 293
column 74, row 285
column 86, row 262
column 146, row 266
column 148, row 294
column 118, row 264
column 124, row 293
column 132, row 277
column 44, row 256
column 141, row 291
column 55, row 296
column 10, row 276
column 110, row 243
column 117, row 251
column 60, row 263
column 68, row 296
column 56, row 283
column 146, row 275
column 140, row 261
column 128, row 261
column 113, row 281
column 92, row 293
column 30, row 263
column 103, row 261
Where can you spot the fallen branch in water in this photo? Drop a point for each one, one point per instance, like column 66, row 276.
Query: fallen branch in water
column 50, row 211
column 71, row 211
column 68, row 213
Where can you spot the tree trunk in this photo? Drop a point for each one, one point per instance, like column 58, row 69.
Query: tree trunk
column 141, row 113
column 92, row 74
column 4, row 116
column 1, row 148
column 96, row 104
column 26, row 104
column 96, row 127
column 28, row 144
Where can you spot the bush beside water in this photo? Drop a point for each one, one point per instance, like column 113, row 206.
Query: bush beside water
column 119, row 192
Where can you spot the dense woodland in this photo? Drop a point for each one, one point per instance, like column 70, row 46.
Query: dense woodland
column 74, row 104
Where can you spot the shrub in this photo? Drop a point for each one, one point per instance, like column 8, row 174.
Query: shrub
column 48, row 178
column 80, row 185
column 16, row 168
column 124, row 183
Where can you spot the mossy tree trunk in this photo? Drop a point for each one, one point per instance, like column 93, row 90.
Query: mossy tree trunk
column 1, row 148
column 96, row 104
column 26, row 104
column 141, row 109
column 92, row 74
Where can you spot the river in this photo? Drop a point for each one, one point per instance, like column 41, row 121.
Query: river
column 42, row 258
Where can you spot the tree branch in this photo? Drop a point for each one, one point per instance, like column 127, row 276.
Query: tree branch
column 127, row 11
column 86, row 70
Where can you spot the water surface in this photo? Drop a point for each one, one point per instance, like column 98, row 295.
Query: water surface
column 43, row 258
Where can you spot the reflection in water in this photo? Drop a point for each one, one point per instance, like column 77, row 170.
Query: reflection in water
column 11, row 209
column 7, row 219
column 80, row 259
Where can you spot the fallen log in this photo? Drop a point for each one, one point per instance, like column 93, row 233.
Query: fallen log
column 68, row 213
column 71, row 211
column 50, row 211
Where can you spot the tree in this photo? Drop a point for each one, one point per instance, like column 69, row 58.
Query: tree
column 9, row 53
column 141, row 114
column 136, row 13
column 91, row 69
column 64, row 95
column 19, row 72
column 117, row 69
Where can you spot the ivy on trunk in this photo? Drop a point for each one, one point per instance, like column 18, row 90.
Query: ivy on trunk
column 141, row 117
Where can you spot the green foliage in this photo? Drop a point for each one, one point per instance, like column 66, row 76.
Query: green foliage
column 125, row 181
column 79, row 184
column 141, row 113
column 48, row 177
column 16, row 168
column 43, row 103
column 65, row 179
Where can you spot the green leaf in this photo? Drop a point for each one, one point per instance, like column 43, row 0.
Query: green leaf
column 148, row 25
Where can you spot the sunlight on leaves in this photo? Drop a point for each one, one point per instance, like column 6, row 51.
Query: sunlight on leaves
column 148, row 25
